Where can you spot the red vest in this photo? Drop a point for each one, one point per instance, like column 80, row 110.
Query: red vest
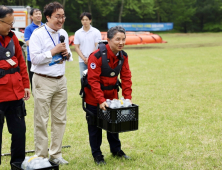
column 12, row 85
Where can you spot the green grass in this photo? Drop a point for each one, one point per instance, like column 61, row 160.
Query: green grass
column 178, row 87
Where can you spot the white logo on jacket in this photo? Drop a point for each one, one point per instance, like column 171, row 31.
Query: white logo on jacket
column 93, row 65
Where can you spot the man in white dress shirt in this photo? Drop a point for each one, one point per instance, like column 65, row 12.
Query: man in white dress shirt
column 49, row 82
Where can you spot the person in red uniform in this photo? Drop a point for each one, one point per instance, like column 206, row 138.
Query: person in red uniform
column 14, row 86
column 116, row 40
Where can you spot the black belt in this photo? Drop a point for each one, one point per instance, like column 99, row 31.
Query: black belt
column 9, row 71
column 58, row 77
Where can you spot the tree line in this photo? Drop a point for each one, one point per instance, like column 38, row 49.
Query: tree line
column 187, row 15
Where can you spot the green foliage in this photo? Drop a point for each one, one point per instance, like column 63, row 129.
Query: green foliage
column 108, row 4
column 141, row 7
column 182, row 12
column 213, row 27
column 187, row 15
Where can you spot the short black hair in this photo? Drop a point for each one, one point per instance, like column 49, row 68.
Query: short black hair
column 52, row 7
column 4, row 10
column 34, row 10
column 87, row 14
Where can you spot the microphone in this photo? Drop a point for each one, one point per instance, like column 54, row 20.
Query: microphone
column 62, row 39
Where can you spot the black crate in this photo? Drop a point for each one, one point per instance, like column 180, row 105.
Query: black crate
column 17, row 166
column 118, row 119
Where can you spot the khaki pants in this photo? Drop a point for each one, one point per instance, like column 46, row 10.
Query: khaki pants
column 49, row 94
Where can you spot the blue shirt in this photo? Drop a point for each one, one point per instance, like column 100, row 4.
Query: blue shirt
column 28, row 32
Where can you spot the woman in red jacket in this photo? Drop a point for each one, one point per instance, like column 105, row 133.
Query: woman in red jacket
column 14, row 85
column 99, row 72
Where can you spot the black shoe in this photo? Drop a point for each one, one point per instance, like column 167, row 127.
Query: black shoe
column 121, row 154
column 99, row 160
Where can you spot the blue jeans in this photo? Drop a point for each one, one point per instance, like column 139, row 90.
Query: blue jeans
column 82, row 67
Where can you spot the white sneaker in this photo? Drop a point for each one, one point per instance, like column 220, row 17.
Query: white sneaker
column 59, row 161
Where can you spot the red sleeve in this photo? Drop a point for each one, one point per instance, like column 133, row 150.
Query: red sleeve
column 94, row 71
column 21, row 63
column 125, row 76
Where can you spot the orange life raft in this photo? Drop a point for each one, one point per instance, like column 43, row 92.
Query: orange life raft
column 132, row 38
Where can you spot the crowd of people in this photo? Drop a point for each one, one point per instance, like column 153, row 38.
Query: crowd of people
column 48, row 83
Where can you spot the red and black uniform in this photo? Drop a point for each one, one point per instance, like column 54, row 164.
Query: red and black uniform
column 96, row 95
column 12, row 91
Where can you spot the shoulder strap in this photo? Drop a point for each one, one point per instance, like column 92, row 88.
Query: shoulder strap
column 8, row 52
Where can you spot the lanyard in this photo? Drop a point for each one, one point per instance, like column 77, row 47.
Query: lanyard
column 51, row 36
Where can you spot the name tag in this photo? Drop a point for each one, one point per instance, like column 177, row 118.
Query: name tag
column 11, row 62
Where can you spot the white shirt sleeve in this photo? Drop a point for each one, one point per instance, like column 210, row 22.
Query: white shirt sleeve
column 76, row 38
column 36, row 54
column 98, row 37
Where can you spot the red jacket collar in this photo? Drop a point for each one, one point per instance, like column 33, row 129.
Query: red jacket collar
column 4, row 41
column 110, row 52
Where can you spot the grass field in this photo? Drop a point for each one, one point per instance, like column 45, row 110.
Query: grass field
column 178, row 87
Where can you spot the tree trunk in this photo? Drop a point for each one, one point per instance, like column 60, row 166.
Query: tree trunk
column 157, row 11
column 63, row 4
column 121, row 11
column 90, row 10
column 201, row 22
column 158, row 15
column 185, row 27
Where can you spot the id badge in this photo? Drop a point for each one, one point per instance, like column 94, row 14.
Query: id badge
column 11, row 62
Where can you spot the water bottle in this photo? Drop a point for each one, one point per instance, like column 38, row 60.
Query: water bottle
column 37, row 164
column 127, row 104
column 108, row 101
column 122, row 99
column 45, row 163
column 113, row 104
column 32, row 161
column 25, row 162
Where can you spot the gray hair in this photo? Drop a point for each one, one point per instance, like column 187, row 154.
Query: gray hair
column 112, row 31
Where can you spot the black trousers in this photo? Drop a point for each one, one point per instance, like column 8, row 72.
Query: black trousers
column 30, row 72
column 95, row 137
column 16, row 126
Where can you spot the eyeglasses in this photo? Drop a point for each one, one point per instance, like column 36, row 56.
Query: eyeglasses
column 61, row 18
column 8, row 23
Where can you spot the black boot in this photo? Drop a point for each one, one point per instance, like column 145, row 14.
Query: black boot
column 120, row 154
column 99, row 160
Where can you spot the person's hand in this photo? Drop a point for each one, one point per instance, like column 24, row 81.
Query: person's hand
column 68, row 56
column 27, row 94
column 103, row 105
column 59, row 48
column 130, row 101
column 86, row 61
column 65, row 53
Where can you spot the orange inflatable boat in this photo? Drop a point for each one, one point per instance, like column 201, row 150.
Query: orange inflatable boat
column 133, row 38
